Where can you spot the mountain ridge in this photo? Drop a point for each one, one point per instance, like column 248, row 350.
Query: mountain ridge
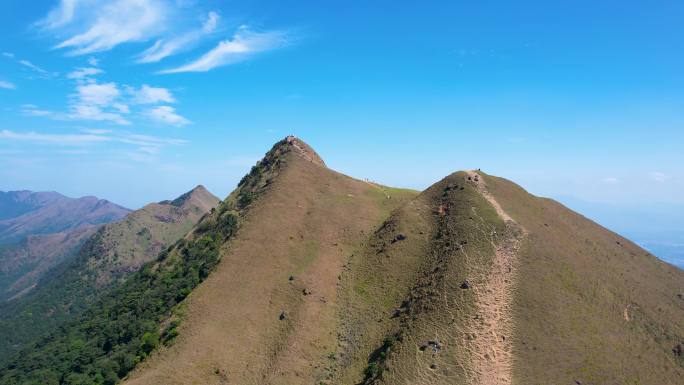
column 302, row 267
column 53, row 212
column 304, row 275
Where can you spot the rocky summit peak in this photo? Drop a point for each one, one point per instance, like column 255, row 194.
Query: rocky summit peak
column 304, row 150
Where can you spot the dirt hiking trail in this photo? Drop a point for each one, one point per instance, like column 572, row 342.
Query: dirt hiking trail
column 489, row 334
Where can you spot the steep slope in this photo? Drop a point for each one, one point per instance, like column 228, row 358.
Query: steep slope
column 272, row 215
column 417, row 293
column 38, row 231
column 501, row 287
column 268, row 313
column 591, row 306
column 106, row 259
column 126, row 245
column 306, row 276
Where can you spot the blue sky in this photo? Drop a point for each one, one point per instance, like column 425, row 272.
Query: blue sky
column 140, row 100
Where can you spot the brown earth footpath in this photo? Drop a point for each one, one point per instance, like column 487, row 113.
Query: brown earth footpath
column 490, row 333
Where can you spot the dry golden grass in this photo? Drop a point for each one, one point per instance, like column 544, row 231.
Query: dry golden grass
column 377, row 294
column 305, row 225
column 591, row 306
column 411, row 290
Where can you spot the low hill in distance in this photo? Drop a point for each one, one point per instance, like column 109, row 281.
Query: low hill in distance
column 105, row 260
column 307, row 276
column 40, row 230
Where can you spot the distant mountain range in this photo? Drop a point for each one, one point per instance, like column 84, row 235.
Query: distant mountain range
column 39, row 230
column 303, row 275
column 25, row 213
column 108, row 255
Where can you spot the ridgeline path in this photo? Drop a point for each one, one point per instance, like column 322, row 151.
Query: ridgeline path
column 490, row 333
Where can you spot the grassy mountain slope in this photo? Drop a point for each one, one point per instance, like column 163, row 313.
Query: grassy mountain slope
column 407, row 314
column 591, row 306
column 284, row 263
column 124, row 327
column 113, row 253
column 144, row 233
column 318, row 278
column 551, row 297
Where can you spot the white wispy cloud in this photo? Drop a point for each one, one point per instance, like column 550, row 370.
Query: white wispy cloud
column 611, row 180
column 91, row 26
column 91, row 112
column 100, row 94
column 659, row 177
column 33, row 110
column 98, row 102
column 167, row 115
column 82, row 110
column 78, row 151
column 7, row 85
column 103, row 25
column 93, row 136
column 166, row 47
column 149, row 140
column 241, row 46
column 109, row 102
column 58, row 139
column 211, row 22
column 28, row 64
column 96, row 131
column 151, row 95
column 32, row 66
column 61, row 15
column 84, row 72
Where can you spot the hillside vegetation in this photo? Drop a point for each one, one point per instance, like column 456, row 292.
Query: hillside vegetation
column 269, row 312
column 114, row 252
column 307, row 276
